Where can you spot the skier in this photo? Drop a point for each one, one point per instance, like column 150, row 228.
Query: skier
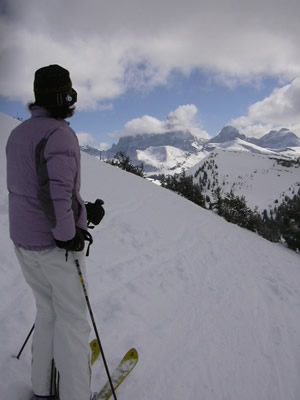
column 48, row 221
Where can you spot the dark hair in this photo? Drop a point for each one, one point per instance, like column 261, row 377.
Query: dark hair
column 61, row 112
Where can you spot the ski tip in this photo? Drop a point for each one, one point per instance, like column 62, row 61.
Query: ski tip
column 94, row 344
column 95, row 350
column 132, row 354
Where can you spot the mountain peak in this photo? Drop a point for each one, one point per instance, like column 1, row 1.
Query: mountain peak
column 226, row 134
column 279, row 139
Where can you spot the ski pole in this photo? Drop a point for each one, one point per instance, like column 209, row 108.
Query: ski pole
column 24, row 344
column 94, row 325
column 54, row 381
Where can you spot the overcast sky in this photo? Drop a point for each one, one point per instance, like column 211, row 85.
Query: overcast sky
column 123, row 52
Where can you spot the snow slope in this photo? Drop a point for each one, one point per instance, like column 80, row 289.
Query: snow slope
column 246, row 146
column 168, row 159
column 240, row 145
column 260, row 178
column 212, row 309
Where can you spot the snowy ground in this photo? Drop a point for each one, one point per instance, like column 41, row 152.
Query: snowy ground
column 213, row 310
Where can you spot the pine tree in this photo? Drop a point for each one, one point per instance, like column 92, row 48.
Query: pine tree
column 123, row 161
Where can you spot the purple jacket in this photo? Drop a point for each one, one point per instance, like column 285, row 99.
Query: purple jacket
column 43, row 180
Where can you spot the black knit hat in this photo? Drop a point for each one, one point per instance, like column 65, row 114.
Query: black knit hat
column 53, row 87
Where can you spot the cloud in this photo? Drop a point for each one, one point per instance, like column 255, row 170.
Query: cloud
column 115, row 45
column 183, row 115
column 103, row 146
column 280, row 109
column 282, row 106
column 183, row 118
column 85, row 138
column 145, row 124
column 251, row 129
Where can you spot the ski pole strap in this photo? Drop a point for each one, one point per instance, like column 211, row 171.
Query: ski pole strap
column 89, row 238
column 86, row 236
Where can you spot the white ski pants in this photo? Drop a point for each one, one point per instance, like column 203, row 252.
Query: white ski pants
column 62, row 331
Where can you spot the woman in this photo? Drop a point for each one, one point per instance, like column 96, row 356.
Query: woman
column 47, row 221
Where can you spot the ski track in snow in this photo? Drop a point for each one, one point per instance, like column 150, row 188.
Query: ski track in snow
column 213, row 310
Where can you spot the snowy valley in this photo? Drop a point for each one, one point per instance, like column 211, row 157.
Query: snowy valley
column 213, row 309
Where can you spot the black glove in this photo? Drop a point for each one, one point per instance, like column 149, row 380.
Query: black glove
column 75, row 244
column 95, row 212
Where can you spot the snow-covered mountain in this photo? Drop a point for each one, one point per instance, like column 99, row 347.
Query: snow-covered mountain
column 278, row 140
column 228, row 133
column 171, row 152
column 275, row 141
column 166, row 153
column 238, row 144
column 212, row 309
column 160, row 153
column 264, row 180
column 183, row 140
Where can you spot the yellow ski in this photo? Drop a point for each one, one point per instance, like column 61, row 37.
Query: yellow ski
column 126, row 365
column 95, row 350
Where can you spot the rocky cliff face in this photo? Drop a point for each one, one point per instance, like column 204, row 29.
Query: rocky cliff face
column 182, row 140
